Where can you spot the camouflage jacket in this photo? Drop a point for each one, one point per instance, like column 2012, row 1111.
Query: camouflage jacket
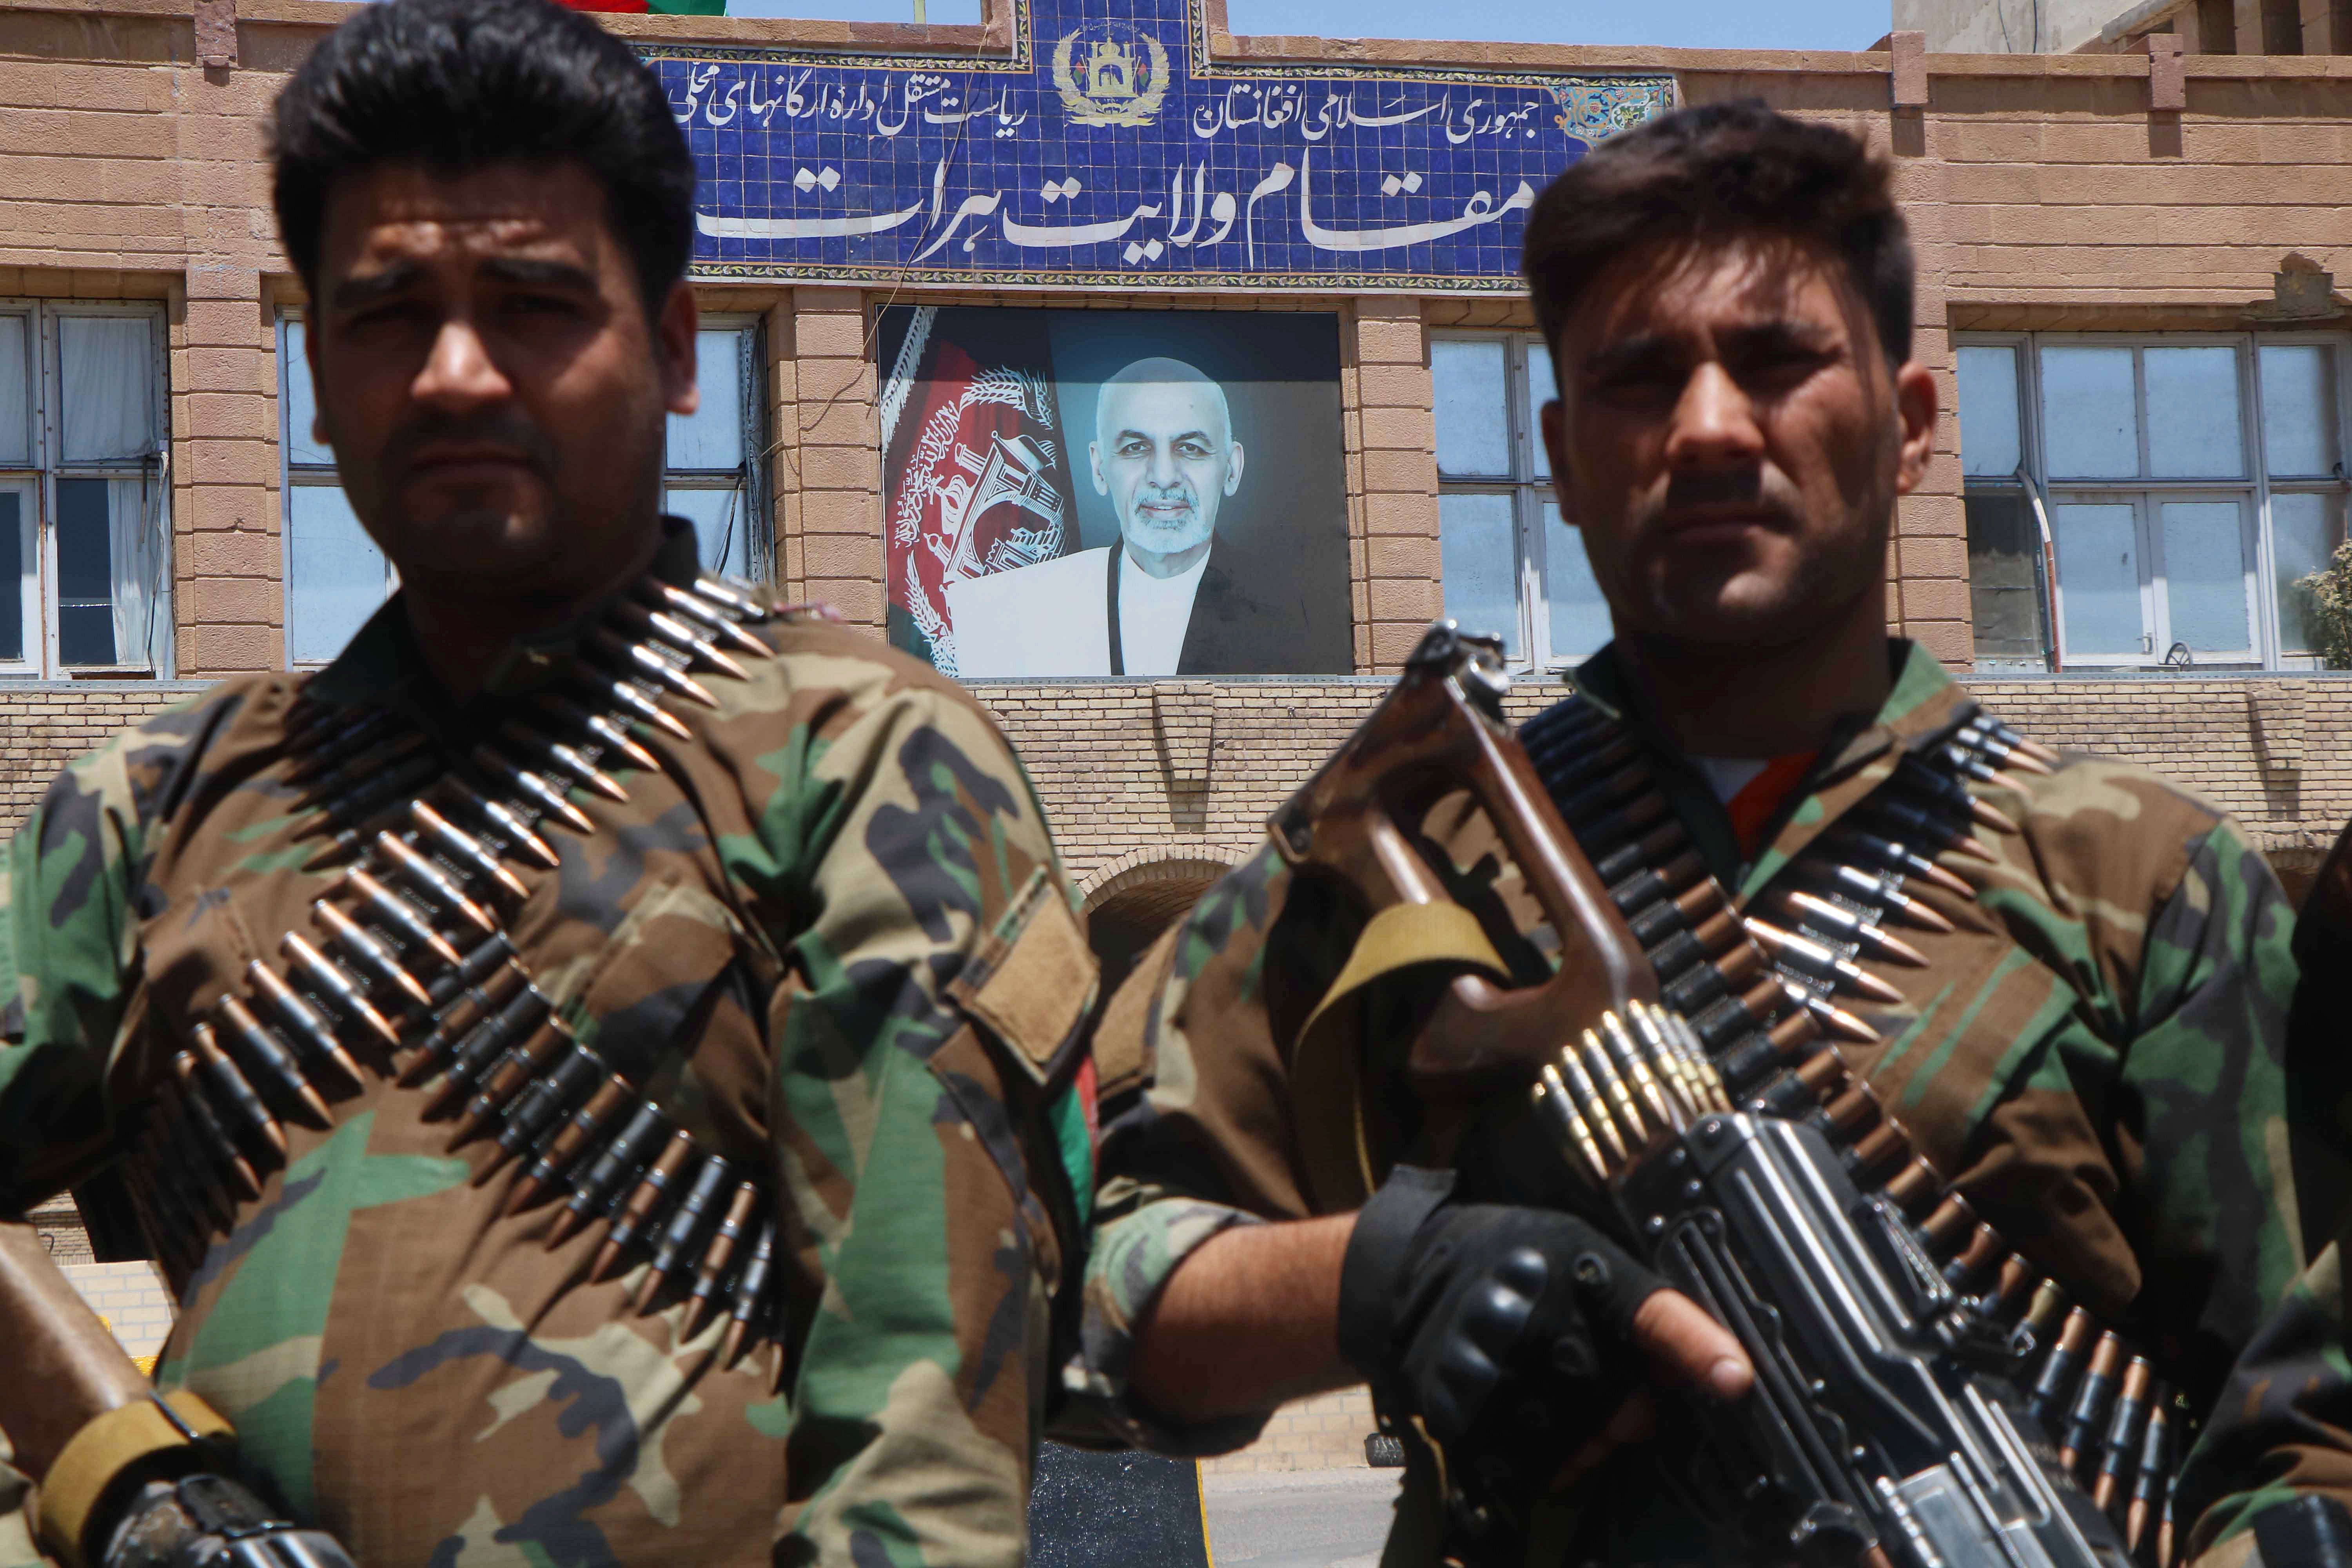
column 2093, row 1055
column 790, row 914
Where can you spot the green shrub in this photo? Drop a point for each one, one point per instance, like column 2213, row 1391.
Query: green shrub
column 2327, row 608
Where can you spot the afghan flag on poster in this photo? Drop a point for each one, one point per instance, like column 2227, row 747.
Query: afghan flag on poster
column 653, row 7
column 975, row 476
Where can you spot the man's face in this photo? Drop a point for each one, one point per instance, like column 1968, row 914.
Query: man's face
column 488, row 379
column 1731, row 441
column 1165, row 454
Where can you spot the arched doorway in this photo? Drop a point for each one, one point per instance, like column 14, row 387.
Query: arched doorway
column 1137, row 897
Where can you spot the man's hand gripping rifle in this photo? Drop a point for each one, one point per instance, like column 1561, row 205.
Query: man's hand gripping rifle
column 128, row 1478
column 1883, row 1426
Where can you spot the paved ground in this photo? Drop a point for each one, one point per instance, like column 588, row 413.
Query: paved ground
column 1299, row 1518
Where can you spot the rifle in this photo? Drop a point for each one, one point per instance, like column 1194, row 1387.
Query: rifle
column 1897, row 1419
column 128, row 1478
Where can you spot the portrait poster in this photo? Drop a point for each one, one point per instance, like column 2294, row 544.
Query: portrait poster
column 1075, row 493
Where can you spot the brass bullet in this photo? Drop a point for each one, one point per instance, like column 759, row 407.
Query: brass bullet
column 605, row 730
column 679, row 635
column 364, row 951
column 548, row 1096
column 642, row 661
column 541, row 793
column 741, row 607
column 683, row 1230
column 483, row 1047
column 513, row 1071
column 340, row 987
column 232, row 1094
column 218, row 1146
column 595, row 1186
column 1788, row 947
column 429, row 880
column 685, row 604
column 748, row 1305
column 1585, row 1095
column 643, row 1204
column 1632, row 1064
column 398, row 913
column 262, row 1053
column 334, row 748
column 458, row 1019
column 718, row 1256
column 566, row 759
column 517, row 831
column 311, row 1031
column 1551, row 1093
column 467, row 850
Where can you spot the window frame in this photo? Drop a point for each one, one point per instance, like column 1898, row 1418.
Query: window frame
column 751, row 475
column 46, row 466
column 1528, row 485
column 2254, row 488
column 293, row 476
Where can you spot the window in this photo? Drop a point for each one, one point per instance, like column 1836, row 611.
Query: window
column 714, row 457
column 84, row 500
column 2175, row 488
column 335, row 576
column 1510, row 565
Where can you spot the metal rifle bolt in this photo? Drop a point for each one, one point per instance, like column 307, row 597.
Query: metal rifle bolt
column 364, row 951
column 683, row 1231
column 595, row 1186
column 571, row 1142
column 687, row 605
column 565, row 759
column 643, row 1204
column 725, row 1242
column 262, row 1053
column 601, row 728
column 514, row 1070
column 340, row 988
column 429, row 880
column 750, row 1286
column 311, row 1031
column 541, row 793
column 397, row 912
column 516, row 831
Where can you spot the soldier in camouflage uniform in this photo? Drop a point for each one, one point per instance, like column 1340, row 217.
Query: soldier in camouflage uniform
column 2077, row 1013
column 718, row 869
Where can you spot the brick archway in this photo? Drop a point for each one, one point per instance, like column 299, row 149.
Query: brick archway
column 1133, row 898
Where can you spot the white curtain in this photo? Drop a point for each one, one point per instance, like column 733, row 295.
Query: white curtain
column 107, row 368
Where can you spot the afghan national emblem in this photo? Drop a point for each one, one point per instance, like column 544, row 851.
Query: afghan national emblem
column 1110, row 74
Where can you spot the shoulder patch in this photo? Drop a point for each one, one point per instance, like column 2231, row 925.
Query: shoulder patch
column 1032, row 980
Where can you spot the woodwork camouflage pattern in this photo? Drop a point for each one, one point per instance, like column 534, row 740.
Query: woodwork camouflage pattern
column 2094, row 1057
column 784, row 914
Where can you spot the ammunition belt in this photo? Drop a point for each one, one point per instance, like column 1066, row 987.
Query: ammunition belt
column 412, row 972
column 1751, row 1011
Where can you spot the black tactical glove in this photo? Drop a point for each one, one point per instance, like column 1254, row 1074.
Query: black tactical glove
column 1506, row 1330
column 208, row 1521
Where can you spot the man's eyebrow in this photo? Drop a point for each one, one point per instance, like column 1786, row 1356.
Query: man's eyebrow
column 374, row 286
column 531, row 269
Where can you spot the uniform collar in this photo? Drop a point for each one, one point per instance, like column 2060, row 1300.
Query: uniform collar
column 381, row 665
column 1924, row 706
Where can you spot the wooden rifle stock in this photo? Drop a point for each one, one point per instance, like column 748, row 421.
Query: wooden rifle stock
column 65, row 1369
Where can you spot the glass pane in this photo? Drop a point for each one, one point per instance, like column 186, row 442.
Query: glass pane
column 2086, row 413
column 720, row 526
column 2098, row 579
column 2299, row 409
column 2192, row 413
column 12, row 574
column 1540, row 391
column 299, row 401
column 2205, row 575
column 16, row 392
column 1479, row 559
column 108, row 367
column 2004, row 574
column 1473, row 408
column 1989, row 425
column 1580, row 616
column 335, row 577
column 85, row 574
column 2304, row 532
column 712, row 436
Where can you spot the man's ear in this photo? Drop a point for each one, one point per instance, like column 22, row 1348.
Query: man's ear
column 1234, row 469
column 674, row 340
column 1094, row 462
column 1915, row 408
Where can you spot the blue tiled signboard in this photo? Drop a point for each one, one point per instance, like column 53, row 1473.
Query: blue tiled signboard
column 1108, row 149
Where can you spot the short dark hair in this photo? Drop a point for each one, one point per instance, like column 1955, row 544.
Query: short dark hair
column 1719, row 171
column 461, row 84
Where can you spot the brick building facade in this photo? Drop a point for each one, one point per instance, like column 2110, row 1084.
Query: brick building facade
column 2142, row 204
